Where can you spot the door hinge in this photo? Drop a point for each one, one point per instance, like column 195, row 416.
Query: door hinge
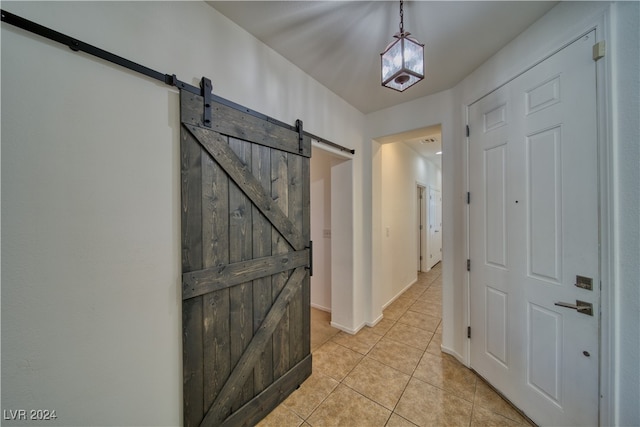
column 468, row 130
column 468, row 265
column 599, row 50
column 468, row 331
column 468, row 197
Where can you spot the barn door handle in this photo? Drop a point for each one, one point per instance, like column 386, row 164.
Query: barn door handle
column 310, row 267
column 580, row 306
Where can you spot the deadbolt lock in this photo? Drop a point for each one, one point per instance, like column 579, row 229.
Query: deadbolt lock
column 584, row 282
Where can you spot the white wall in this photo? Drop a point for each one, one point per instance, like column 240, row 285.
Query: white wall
column 565, row 22
column 91, row 300
column 402, row 170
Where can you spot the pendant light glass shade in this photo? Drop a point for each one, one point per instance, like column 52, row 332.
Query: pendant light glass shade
column 402, row 63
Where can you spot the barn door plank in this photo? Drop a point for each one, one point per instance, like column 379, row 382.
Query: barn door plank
column 191, row 213
column 243, row 368
column 295, row 212
column 240, row 249
column 192, row 361
column 215, row 251
column 217, row 357
column 217, row 146
column 306, row 237
column 280, row 195
column 262, row 296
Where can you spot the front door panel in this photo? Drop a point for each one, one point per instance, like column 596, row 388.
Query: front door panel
column 533, row 228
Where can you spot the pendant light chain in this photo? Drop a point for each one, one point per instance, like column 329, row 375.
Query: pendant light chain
column 401, row 17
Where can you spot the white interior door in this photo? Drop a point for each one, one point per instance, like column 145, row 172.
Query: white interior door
column 533, row 170
column 435, row 226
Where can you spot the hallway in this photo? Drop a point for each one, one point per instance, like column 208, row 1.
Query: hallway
column 392, row 374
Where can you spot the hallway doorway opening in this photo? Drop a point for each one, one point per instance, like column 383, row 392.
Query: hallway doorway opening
column 406, row 229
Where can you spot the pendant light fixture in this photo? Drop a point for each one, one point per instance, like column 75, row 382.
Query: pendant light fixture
column 403, row 60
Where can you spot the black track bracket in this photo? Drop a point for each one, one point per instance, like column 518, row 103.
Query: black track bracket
column 300, row 136
column 205, row 85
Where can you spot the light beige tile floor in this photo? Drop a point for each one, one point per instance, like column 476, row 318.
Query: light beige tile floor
column 393, row 374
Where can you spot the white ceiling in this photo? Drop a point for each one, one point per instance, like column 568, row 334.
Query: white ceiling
column 426, row 141
column 338, row 43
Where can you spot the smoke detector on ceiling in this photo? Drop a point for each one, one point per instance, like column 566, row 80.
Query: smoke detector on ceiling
column 429, row 140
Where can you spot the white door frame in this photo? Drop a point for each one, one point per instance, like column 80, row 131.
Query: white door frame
column 601, row 25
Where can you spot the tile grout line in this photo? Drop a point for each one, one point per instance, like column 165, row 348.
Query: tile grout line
column 411, row 376
column 413, row 299
column 346, row 385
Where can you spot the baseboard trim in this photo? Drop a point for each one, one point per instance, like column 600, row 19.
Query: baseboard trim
column 347, row 330
column 455, row 354
column 375, row 322
column 399, row 294
column 321, row 308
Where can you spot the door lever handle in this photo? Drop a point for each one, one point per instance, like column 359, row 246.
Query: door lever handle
column 580, row 306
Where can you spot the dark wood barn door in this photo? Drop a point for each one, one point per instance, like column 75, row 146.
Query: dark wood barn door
column 245, row 260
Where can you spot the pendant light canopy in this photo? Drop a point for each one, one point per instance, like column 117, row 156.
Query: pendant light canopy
column 403, row 60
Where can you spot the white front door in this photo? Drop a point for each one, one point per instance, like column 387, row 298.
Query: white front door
column 435, row 226
column 533, row 220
